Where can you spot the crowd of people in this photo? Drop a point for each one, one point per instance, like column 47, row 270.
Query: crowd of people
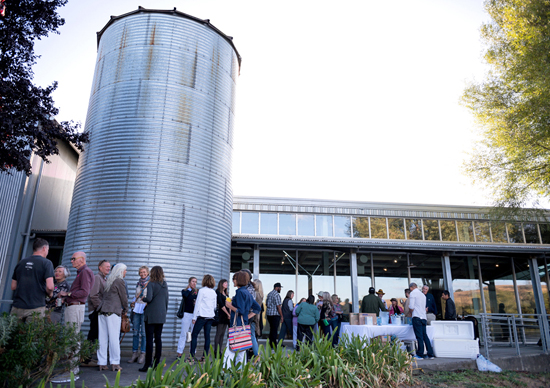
column 39, row 288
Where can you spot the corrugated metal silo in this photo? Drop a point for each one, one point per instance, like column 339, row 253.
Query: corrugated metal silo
column 154, row 184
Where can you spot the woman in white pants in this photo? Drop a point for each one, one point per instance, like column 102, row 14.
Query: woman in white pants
column 189, row 296
column 114, row 302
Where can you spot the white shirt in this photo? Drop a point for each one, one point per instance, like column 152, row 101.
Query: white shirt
column 417, row 301
column 205, row 306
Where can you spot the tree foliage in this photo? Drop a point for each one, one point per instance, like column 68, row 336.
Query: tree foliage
column 27, row 111
column 512, row 105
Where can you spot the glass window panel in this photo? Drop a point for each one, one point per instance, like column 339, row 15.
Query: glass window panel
column 531, row 233
column 343, row 284
column 448, row 230
column 268, row 223
column 514, row 233
column 363, row 275
column 323, row 225
column 306, row 226
column 465, row 231
column 498, row 230
column 545, row 233
column 467, row 296
column 361, row 227
column 287, row 224
column 241, row 259
column 390, row 275
column 498, row 286
column 250, row 223
column 342, row 226
column 378, row 228
column 236, row 222
column 397, row 228
column 429, row 270
column 431, row 230
column 482, row 231
column 277, row 267
column 414, row 229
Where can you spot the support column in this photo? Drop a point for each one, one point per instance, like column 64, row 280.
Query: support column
column 256, row 271
column 539, row 302
column 481, row 293
column 447, row 275
column 354, row 280
column 408, row 269
column 372, row 281
column 334, row 256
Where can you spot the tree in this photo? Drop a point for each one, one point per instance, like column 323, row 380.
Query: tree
column 512, row 105
column 27, row 111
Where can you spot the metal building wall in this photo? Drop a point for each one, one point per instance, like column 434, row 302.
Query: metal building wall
column 11, row 188
column 153, row 186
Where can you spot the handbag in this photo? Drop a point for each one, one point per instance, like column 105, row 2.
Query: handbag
column 179, row 314
column 240, row 337
column 124, row 323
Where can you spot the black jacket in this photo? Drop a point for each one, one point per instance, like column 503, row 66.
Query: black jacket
column 157, row 303
column 450, row 310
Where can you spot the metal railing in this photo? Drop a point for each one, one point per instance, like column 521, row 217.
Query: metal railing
column 513, row 330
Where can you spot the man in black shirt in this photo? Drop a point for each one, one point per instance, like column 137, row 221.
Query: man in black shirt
column 450, row 309
column 32, row 281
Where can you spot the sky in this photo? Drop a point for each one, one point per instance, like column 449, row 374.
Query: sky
column 355, row 100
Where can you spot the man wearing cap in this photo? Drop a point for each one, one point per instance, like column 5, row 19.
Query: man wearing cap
column 372, row 304
column 274, row 312
column 380, row 294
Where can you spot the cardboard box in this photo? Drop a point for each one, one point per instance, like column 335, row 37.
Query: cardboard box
column 367, row 319
column 354, row 319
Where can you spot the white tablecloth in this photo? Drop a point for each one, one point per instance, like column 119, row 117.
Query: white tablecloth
column 403, row 332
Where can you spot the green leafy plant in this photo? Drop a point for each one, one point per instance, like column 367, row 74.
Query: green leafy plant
column 33, row 350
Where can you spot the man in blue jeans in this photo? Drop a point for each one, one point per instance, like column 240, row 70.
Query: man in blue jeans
column 417, row 306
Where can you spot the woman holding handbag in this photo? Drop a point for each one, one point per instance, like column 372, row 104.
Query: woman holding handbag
column 155, row 316
column 223, row 314
column 240, row 308
column 138, row 305
column 114, row 303
column 203, row 315
column 189, row 296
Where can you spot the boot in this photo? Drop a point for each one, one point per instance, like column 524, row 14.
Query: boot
column 134, row 357
column 141, row 358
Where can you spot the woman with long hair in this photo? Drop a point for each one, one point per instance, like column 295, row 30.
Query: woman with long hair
column 189, row 295
column 138, row 326
column 241, row 313
column 287, row 308
column 56, row 308
column 258, row 286
column 114, row 302
column 222, row 293
column 326, row 314
column 308, row 315
column 204, row 314
column 155, row 316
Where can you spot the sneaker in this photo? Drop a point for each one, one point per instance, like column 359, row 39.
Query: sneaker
column 417, row 358
column 429, row 357
column 64, row 378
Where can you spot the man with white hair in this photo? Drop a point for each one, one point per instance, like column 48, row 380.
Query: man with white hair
column 431, row 306
column 417, row 306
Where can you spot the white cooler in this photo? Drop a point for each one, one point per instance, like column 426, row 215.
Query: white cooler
column 454, row 339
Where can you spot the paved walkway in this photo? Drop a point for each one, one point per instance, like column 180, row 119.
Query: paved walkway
column 531, row 359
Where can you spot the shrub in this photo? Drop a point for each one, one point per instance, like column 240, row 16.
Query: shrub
column 32, row 351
